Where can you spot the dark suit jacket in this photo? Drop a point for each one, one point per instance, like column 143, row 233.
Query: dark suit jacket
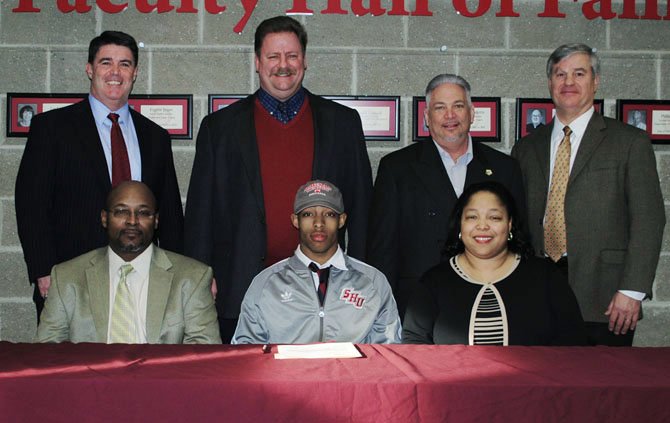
column 225, row 213
column 412, row 203
column 180, row 308
column 63, row 182
column 613, row 209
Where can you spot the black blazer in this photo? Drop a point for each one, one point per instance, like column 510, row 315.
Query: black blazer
column 63, row 182
column 413, row 200
column 225, row 213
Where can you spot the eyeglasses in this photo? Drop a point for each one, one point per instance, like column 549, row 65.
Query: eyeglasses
column 141, row 214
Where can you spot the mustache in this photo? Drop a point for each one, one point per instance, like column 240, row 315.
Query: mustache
column 285, row 72
column 132, row 231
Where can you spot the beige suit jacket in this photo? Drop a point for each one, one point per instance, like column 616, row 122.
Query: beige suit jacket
column 180, row 308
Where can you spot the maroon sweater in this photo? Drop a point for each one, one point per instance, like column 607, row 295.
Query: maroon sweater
column 286, row 153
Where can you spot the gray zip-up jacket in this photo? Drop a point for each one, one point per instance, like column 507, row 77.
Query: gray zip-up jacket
column 281, row 306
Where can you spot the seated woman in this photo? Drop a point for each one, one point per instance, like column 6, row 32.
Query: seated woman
column 491, row 290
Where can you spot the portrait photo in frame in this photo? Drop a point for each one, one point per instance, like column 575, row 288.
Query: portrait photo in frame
column 651, row 116
column 534, row 113
column 485, row 128
column 22, row 107
column 173, row 112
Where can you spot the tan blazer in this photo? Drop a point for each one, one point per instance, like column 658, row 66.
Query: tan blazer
column 180, row 308
column 613, row 209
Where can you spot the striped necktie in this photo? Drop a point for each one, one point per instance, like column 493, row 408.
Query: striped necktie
column 323, row 280
column 123, row 314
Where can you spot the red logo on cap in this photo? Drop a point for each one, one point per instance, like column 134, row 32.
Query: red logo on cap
column 317, row 187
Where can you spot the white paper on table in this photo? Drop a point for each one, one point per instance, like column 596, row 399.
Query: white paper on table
column 325, row 350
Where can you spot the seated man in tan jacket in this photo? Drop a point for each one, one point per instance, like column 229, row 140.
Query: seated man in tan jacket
column 130, row 291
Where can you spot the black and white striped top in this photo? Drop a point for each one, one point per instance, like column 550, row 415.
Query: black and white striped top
column 488, row 318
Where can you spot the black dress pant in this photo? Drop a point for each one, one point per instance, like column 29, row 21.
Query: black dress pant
column 598, row 333
column 39, row 301
column 227, row 329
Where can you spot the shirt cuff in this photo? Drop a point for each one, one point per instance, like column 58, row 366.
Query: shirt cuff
column 636, row 295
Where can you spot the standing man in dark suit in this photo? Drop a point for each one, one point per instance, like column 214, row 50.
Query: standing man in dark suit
column 252, row 156
column 70, row 161
column 417, row 187
column 598, row 213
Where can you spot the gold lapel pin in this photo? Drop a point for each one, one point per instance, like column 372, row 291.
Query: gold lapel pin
column 488, row 172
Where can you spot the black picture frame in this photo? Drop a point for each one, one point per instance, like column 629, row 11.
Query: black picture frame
column 486, row 127
column 380, row 115
column 525, row 107
column 164, row 106
column 217, row 102
column 652, row 116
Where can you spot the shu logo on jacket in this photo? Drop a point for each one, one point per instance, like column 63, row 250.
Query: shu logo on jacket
column 353, row 297
column 286, row 297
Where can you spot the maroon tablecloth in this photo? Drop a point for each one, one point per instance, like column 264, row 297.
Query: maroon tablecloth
column 402, row 383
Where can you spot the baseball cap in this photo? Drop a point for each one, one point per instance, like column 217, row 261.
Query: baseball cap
column 318, row 193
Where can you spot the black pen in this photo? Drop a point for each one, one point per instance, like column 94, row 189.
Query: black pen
column 266, row 349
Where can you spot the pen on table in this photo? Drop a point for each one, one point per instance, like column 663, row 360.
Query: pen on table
column 266, row 348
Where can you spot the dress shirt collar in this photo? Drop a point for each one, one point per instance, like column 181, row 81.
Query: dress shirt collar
column 464, row 160
column 141, row 263
column 100, row 112
column 457, row 170
column 337, row 260
column 274, row 107
column 578, row 126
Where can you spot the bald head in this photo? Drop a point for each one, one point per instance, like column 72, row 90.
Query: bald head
column 130, row 218
column 135, row 187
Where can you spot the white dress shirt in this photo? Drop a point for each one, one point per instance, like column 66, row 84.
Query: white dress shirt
column 578, row 127
column 104, row 125
column 138, row 283
column 337, row 260
column 456, row 169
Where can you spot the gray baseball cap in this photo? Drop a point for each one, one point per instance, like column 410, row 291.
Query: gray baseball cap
column 318, row 193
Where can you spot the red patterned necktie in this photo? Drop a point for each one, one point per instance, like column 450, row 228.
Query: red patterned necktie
column 323, row 280
column 120, row 162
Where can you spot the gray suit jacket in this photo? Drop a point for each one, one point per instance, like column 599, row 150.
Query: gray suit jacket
column 180, row 308
column 613, row 209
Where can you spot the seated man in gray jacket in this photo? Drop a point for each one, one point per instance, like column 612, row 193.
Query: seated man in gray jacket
column 319, row 294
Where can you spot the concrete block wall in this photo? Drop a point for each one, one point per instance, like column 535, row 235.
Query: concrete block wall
column 199, row 54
